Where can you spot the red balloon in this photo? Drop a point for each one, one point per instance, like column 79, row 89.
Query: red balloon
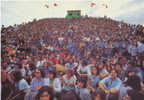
column 47, row 6
column 92, row 4
column 55, row 4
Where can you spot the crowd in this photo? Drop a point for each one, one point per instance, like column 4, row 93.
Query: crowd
column 72, row 59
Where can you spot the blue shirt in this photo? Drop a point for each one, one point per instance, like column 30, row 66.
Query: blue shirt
column 108, row 83
column 100, row 44
column 83, row 93
column 36, row 82
column 139, row 73
column 132, row 50
column 94, row 81
column 140, row 47
column 41, row 42
column 23, row 85
column 23, row 71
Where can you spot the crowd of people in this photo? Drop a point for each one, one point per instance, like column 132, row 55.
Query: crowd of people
column 72, row 59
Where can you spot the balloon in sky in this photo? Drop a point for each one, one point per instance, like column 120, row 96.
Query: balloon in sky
column 105, row 5
column 47, row 6
column 92, row 4
column 55, row 4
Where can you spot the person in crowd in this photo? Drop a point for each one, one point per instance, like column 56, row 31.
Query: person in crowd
column 23, row 70
column 38, row 80
column 36, row 83
column 23, row 84
column 111, row 86
column 69, row 80
column 49, row 79
column 83, row 70
column 132, row 89
column 58, row 85
column 93, row 79
column 98, row 96
column 44, row 93
column 82, row 91
column 121, row 72
column 138, row 71
column 102, row 71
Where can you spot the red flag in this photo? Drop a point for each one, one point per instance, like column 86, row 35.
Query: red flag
column 55, row 4
column 47, row 6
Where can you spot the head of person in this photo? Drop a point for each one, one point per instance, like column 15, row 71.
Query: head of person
column 81, row 84
column 37, row 73
column 99, row 95
column 84, row 63
column 51, row 75
column 113, row 73
column 100, row 66
column 45, row 65
column 131, row 72
column 45, row 93
column 131, row 64
column 3, row 75
column 118, row 67
column 69, row 73
column 94, row 70
column 134, row 82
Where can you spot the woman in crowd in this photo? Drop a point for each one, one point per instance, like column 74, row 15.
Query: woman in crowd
column 102, row 71
column 93, row 79
column 69, row 80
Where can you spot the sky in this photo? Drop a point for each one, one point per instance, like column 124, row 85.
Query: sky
column 19, row 11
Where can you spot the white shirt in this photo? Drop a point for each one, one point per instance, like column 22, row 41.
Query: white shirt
column 66, row 82
column 140, row 47
column 40, row 63
column 85, row 69
column 46, row 82
column 57, row 85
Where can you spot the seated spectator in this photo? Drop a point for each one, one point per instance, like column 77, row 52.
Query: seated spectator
column 83, row 70
column 45, row 93
column 58, row 85
column 137, row 70
column 93, row 78
column 69, row 80
column 49, row 79
column 102, row 71
column 23, row 84
column 111, row 86
column 36, row 83
column 81, row 90
column 121, row 72
column 99, row 96
column 133, row 89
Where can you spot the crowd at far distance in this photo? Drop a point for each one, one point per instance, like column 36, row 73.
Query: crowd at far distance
column 72, row 59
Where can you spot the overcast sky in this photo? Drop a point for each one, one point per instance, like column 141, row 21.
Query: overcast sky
column 18, row 11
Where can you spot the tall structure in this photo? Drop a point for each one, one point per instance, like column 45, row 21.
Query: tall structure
column 73, row 14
